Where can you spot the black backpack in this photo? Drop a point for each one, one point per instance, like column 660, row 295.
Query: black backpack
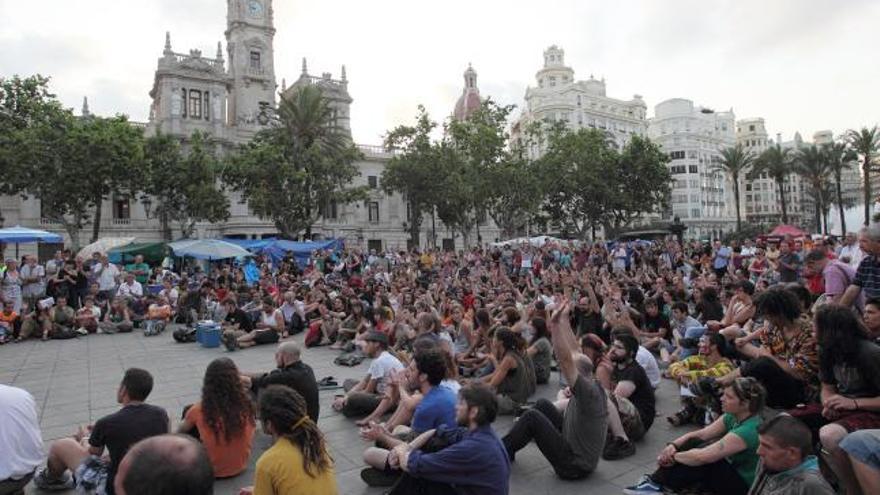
column 184, row 335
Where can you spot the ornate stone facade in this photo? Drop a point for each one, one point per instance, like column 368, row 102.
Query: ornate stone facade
column 231, row 98
column 580, row 104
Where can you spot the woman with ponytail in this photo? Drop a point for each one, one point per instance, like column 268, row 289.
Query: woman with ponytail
column 298, row 461
column 514, row 376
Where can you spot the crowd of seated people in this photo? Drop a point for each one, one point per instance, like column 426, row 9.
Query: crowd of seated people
column 757, row 338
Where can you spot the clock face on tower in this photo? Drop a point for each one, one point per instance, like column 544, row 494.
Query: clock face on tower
column 255, row 8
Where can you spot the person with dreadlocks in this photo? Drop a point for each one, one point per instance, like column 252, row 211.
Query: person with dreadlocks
column 223, row 420
column 298, row 461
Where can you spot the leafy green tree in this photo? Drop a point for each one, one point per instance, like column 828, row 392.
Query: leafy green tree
column 111, row 150
column 735, row 162
column 866, row 142
column 52, row 155
column 641, row 181
column 840, row 158
column 184, row 182
column 578, row 170
column 778, row 164
column 516, row 194
column 25, row 104
column 287, row 173
column 477, row 146
column 812, row 164
column 414, row 169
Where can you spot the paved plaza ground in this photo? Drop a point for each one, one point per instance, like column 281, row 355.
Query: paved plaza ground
column 75, row 381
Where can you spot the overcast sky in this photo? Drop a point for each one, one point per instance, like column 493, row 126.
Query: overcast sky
column 803, row 65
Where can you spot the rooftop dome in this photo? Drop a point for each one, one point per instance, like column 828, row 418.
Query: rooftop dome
column 469, row 101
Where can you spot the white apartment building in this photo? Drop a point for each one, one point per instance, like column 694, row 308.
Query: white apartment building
column 693, row 136
column 559, row 97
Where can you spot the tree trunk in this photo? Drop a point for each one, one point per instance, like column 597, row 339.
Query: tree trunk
column 779, row 184
column 96, row 225
column 840, row 208
column 866, row 171
column 736, row 200
column 415, row 227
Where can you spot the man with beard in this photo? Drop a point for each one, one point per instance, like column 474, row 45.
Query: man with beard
column 474, row 461
column 632, row 397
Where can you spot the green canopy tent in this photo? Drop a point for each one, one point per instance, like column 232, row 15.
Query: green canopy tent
column 153, row 252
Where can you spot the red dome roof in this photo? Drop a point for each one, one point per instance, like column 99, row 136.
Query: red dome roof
column 469, row 101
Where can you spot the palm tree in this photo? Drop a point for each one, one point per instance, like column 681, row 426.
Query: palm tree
column 812, row 164
column 776, row 162
column 840, row 157
column 735, row 161
column 312, row 138
column 865, row 142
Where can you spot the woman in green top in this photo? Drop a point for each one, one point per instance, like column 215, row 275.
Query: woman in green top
column 722, row 457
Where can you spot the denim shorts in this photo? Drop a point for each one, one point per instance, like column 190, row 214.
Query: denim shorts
column 91, row 476
column 864, row 445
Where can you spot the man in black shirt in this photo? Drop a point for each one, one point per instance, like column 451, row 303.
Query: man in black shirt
column 632, row 396
column 115, row 432
column 290, row 372
column 237, row 323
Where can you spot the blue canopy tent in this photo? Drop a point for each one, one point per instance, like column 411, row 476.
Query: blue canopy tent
column 301, row 250
column 19, row 234
column 252, row 245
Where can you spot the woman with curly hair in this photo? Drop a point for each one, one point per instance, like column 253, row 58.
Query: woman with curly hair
column 223, row 419
column 298, row 461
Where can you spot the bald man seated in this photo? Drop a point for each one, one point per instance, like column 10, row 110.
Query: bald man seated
column 291, row 372
column 165, row 465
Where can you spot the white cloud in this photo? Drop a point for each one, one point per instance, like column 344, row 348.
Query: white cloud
column 802, row 65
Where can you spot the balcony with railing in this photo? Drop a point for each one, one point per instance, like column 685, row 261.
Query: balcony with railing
column 377, row 151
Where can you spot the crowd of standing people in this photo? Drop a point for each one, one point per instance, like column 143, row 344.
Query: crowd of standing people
column 774, row 346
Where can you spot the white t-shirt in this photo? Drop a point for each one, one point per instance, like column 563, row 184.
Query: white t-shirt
column 381, row 368
column 649, row 363
column 21, row 445
column 106, row 275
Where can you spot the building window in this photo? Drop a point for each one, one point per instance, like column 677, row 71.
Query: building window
column 373, row 181
column 207, row 102
column 331, row 210
column 751, row 128
column 185, row 106
column 195, row 104
column 255, row 60
column 677, row 169
column 552, row 80
column 695, row 213
column 578, row 100
column 121, row 208
column 692, row 169
column 676, row 155
column 373, row 208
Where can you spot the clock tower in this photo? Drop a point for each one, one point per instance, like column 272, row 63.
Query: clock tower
column 249, row 42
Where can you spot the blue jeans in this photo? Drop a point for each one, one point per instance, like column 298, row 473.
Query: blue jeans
column 864, row 445
column 692, row 333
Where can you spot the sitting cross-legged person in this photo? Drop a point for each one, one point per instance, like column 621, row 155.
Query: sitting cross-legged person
column 268, row 329
column 513, row 377
column 158, row 315
column 473, row 460
column 720, row 458
column 87, row 317
column 223, row 419
column 118, row 318
column 290, row 372
column 365, row 396
column 436, row 408
column 707, row 363
column 572, row 440
column 82, row 455
column 785, row 360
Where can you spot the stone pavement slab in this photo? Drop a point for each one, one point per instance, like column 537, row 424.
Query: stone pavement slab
column 74, row 382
